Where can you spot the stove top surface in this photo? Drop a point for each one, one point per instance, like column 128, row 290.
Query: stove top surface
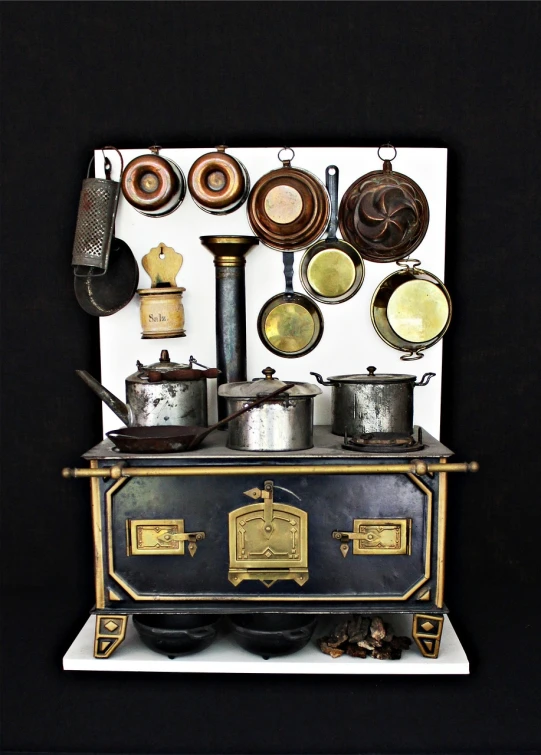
column 326, row 447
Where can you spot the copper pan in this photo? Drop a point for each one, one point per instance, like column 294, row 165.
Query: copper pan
column 384, row 214
column 153, row 184
column 218, row 183
column 288, row 208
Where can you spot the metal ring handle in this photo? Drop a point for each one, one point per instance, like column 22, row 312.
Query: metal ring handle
column 387, row 146
column 119, row 154
column 412, row 356
column 285, row 161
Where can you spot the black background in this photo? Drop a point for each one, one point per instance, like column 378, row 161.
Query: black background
column 464, row 76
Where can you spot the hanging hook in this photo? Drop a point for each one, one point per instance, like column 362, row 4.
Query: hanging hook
column 119, row 154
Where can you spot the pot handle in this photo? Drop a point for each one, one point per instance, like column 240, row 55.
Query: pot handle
column 425, row 379
column 320, row 379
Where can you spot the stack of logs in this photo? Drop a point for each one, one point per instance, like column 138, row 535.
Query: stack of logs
column 363, row 637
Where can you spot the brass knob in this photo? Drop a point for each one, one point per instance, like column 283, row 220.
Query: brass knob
column 268, row 372
column 164, row 356
column 371, row 370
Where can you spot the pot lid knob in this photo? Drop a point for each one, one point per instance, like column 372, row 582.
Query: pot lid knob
column 268, row 372
column 164, row 356
column 371, row 370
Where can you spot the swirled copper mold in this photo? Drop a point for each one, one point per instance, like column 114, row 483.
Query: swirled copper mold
column 384, row 215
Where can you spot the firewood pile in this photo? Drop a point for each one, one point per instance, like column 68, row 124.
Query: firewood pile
column 363, row 637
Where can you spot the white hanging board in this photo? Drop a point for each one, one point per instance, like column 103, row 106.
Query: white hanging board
column 349, row 343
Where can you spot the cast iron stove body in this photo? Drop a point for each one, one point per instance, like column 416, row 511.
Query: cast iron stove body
column 326, row 530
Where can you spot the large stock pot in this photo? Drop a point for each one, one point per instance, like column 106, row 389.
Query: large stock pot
column 372, row 403
column 284, row 423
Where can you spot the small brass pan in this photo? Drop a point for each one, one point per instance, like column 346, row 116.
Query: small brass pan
column 411, row 310
column 290, row 324
column 332, row 271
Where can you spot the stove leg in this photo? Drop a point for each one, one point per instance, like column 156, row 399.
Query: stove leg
column 110, row 633
column 426, row 631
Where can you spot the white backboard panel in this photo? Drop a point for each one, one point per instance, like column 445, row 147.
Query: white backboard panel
column 349, row 342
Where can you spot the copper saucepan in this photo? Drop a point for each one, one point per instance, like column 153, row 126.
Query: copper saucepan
column 288, row 208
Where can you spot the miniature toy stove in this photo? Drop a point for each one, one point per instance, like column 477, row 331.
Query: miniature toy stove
column 385, row 442
column 325, row 530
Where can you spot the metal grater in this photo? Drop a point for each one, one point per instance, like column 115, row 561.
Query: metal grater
column 95, row 223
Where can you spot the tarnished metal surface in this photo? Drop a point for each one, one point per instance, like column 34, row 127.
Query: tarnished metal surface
column 361, row 408
column 276, row 426
column 229, row 260
column 95, row 222
column 168, row 402
column 372, row 403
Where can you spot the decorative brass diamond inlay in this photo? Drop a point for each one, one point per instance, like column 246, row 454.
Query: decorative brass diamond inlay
column 111, row 626
column 427, row 626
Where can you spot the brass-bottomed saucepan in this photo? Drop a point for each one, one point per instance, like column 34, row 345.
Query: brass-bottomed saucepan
column 290, row 324
column 411, row 310
column 332, row 271
column 173, row 439
column 288, row 208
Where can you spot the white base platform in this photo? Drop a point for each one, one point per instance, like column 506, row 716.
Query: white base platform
column 224, row 656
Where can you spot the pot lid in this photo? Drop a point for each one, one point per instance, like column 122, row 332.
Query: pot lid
column 262, row 386
column 371, row 377
column 164, row 365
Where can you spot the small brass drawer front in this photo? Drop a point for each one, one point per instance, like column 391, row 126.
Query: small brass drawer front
column 377, row 537
column 160, row 537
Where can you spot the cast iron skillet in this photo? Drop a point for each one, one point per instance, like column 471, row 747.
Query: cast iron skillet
column 174, row 438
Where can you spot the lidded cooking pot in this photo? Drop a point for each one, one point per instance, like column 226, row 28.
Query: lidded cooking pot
column 163, row 393
column 282, row 424
column 372, row 403
column 218, row 183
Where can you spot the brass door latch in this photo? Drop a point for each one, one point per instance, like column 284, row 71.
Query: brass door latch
column 376, row 537
column 160, row 537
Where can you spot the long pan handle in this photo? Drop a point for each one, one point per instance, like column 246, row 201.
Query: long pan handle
column 288, row 258
column 198, row 438
column 331, row 180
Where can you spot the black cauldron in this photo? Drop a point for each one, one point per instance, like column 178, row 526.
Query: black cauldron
column 174, row 634
column 273, row 634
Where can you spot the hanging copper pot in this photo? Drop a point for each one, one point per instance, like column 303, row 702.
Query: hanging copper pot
column 218, row 183
column 384, row 214
column 411, row 310
column 288, row 208
column 154, row 185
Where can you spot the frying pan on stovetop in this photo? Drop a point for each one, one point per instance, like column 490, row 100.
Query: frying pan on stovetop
column 332, row 271
column 171, row 438
column 290, row 324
